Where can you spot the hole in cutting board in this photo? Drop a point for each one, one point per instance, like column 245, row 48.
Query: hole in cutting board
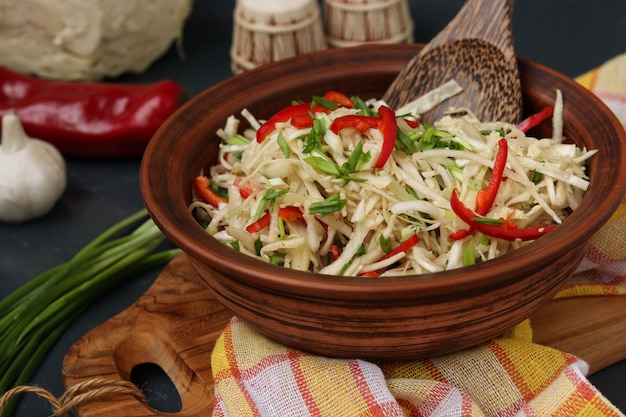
column 157, row 386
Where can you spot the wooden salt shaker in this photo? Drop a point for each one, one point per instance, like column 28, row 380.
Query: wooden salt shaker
column 355, row 22
column 270, row 30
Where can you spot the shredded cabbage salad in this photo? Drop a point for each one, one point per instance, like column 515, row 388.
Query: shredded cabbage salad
column 341, row 186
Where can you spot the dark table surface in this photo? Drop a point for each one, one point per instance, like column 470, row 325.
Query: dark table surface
column 572, row 36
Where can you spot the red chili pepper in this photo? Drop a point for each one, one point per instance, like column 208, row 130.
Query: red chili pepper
column 259, row 224
column 388, row 127
column 360, row 123
column 534, row 119
column 339, row 98
column 335, row 251
column 202, row 186
column 412, row 123
column 402, row 247
column 89, row 119
column 300, row 114
column 386, row 123
column 281, row 116
column 460, row 234
column 485, row 198
column 507, row 230
column 247, row 189
column 290, row 213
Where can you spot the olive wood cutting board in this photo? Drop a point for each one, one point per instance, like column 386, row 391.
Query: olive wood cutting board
column 176, row 322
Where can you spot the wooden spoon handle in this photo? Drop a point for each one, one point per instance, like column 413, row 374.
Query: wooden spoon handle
column 489, row 20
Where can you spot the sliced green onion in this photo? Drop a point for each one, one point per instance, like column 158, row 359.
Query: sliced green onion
column 385, row 243
column 237, row 140
column 487, row 220
column 468, row 254
column 323, row 163
column 330, row 205
column 283, row 145
column 35, row 315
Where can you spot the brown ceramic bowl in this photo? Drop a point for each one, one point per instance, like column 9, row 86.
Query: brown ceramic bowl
column 375, row 318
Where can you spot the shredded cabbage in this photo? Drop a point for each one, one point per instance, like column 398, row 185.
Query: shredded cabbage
column 351, row 222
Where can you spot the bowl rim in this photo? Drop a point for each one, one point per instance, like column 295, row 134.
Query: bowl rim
column 195, row 241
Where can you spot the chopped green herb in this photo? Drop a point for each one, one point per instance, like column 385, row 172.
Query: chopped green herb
column 363, row 108
column 258, row 245
column 221, row 191
column 324, row 164
column 536, row 176
column 270, row 197
column 313, row 138
column 237, row 140
column 468, row 254
column 283, row 145
column 356, row 160
column 282, row 234
column 324, row 102
column 337, row 241
column 385, row 243
column 410, row 191
column 487, row 220
column 330, row 205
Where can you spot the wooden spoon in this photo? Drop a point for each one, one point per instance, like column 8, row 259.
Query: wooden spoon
column 476, row 50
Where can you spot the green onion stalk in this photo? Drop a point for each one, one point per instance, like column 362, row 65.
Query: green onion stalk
column 35, row 315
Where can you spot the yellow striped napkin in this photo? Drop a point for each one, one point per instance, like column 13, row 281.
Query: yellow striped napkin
column 510, row 376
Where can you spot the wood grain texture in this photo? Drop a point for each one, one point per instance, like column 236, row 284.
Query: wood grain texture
column 175, row 325
column 476, row 50
column 591, row 328
column 176, row 322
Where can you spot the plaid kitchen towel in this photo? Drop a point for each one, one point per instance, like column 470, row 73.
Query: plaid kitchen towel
column 510, row 376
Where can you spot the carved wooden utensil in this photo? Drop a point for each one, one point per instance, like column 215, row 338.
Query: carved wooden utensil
column 476, row 50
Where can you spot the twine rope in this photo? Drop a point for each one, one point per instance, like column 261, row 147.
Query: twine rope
column 76, row 395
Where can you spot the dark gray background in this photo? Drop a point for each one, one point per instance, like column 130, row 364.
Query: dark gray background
column 572, row 36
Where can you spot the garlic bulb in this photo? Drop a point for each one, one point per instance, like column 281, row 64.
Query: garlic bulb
column 32, row 174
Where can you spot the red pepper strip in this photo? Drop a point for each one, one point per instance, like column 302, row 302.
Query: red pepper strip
column 485, row 198
column 460, row 234
column 245, row 191
column 202, row 186
column 299, row 114
column 339, row 98
column 360, row 123
column 388, row 127
column 402, row 247
column 534, row 119
column 412, row 123
column 259, row 224
column 281, row 116
column 288, row 214
column 335, row 251
column 89, row 119
column 507, row 231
